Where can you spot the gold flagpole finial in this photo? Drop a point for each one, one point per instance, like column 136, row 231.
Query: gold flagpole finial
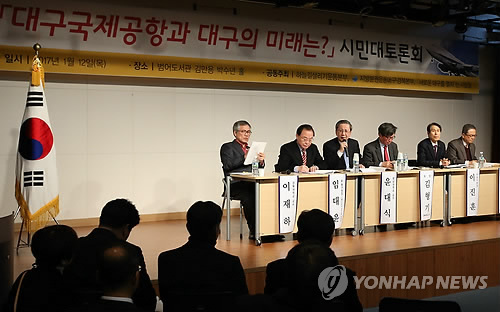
column 37, row 73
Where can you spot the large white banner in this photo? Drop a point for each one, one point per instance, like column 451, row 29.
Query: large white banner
column 337, row 188
column 287, row 200
column 388, row 197
column 426, row 183
column 472, row 191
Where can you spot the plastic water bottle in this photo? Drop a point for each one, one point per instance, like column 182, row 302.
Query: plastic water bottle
column 481, row 160
column 355, row 162
column 255, row 167
column 399, row 162
column 405, row 162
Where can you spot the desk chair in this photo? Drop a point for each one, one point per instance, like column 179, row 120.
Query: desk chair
column 231, row 199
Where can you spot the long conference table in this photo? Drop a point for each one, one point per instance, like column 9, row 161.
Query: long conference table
column 363, row 191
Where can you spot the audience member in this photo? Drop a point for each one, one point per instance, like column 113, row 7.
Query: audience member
column 118, row 218
column 43, row 288
column 197, row 274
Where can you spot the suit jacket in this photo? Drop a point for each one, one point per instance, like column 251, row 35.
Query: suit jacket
column 330, row 149
column 232, row 158
column 372, row 153
column 276, row 281
column 456, row 151
column 104, row 305
column 198, row 267
column 82, row 270
column 426, row 156
column 290, row 157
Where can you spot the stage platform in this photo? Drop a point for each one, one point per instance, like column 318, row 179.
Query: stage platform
column 471, row 249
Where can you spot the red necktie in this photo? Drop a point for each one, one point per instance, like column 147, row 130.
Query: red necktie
column 386, row 154
column 304, row 157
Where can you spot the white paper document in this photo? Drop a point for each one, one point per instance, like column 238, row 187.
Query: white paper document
column 255, row 149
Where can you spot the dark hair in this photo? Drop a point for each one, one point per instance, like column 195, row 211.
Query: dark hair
column 304, row 264
column 117, row 265
column 467, row 127
column 433, row 124
column 341, row 122
column 203, row 217
column 305, row 127
column 315, row 225
column 387, row 129
column 119, row 212
column 53, row 245
column 239, row 123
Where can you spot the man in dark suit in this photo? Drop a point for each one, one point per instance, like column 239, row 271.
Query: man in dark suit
column 118, row 273
column 232, row 156
column 339, row 152
column 431, row 151
column 197, row 273
column 383, row 150
column 463, row 149
column 118, row 218
column 314, row 226
column 300, row 155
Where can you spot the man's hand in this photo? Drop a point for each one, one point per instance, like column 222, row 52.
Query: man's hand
column 303, row 168
column 343, row 145
column 313, row 168
column 387, row 164
column 260, row 157
column 445, row 162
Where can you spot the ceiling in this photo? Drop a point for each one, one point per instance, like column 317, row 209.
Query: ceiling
column 463, row 13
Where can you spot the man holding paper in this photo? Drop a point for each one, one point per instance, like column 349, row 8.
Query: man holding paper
column 232, row 156
column 339, row 152
column 300, row 155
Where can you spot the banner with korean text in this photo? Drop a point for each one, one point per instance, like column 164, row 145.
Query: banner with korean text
column 472, row 191
column 337, row 188
column 142, row 42
column 426, row 186
column 287, row 201
column 388, row 197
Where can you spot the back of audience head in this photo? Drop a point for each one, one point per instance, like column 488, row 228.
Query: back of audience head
column 119, row 215
column 304, row 263
column 203, row 220
column 53, row 246
column 118, row 270
column 317, row 225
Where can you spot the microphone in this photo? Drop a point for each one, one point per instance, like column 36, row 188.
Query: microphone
column 288, row 171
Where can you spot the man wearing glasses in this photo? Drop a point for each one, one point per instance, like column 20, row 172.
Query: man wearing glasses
column 232, row 156
column 383, row 150
column 463, row 149
column 339, row 151
column 300, row 155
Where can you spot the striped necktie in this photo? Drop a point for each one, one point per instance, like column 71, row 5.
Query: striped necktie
column 304, row 157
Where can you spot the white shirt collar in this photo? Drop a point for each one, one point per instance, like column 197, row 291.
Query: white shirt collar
column 122, row 299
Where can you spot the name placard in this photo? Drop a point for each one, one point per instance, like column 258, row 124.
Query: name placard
column 472, row 191
column 426, row 183
column 337, row 188
column 287, row 201
column 388, row 200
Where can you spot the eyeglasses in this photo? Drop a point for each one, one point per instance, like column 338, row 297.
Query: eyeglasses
column 471, row 135
column 305, row 139
column 245, row 131
column 392, row 137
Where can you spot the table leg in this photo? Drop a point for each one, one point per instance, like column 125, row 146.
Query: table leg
column 228, row 207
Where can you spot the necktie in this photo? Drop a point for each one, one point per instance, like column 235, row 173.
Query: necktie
column 245, row 149
column 435, row 151
column 386, row 154
column 346, row 159
column 304, row 157
column 467, row 153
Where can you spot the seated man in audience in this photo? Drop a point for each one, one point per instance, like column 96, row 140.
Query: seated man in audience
column 313, row 226
column 232, row 156
column 383, row 150
column 118, row 272
column 300, row 155
column 118, row 218
column 431, row 151
column 42, row 288
column 198, row 274
column 339, row 152
column 463, row 149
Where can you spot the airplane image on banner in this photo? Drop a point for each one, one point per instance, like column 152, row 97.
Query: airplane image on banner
column 450, row 65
